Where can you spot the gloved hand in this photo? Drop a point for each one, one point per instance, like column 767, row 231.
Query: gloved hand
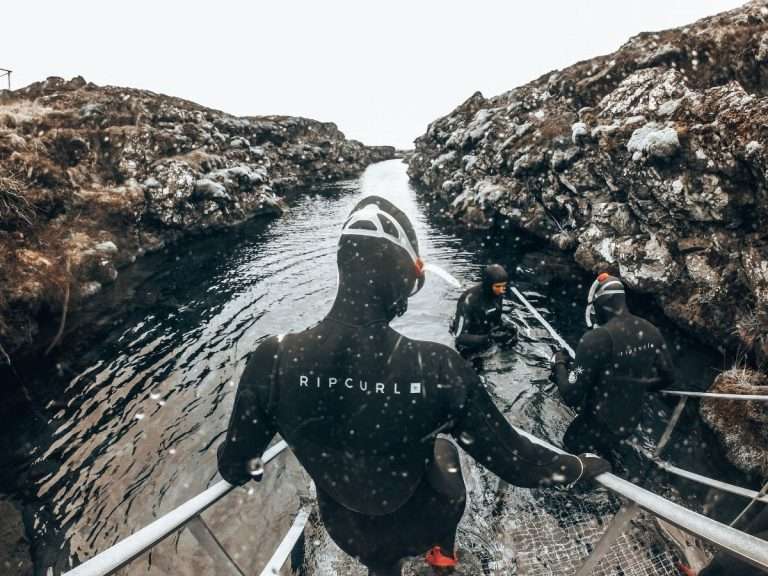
column 506, row 335
column 560, row 357
column 593, row 466
column 235, row 472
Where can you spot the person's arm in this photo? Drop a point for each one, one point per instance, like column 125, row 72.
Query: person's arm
column 505, row 331
column 664, row 367
column 461, row 325
column 591, row 354
column 251, row 427
column 483, row 431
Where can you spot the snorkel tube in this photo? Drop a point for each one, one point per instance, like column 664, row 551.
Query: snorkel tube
column 443, row 274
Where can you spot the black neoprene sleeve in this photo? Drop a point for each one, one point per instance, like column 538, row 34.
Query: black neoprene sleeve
column 250, row 427
column 483, row 432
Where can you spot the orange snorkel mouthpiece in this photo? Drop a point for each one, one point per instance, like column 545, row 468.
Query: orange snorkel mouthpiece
column 419, row 263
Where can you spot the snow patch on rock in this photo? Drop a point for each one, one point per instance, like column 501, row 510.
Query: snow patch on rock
column 654, row 140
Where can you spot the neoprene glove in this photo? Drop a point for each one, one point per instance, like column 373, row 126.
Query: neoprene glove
column 593, row 465
column 234, row 471
column 504, row 335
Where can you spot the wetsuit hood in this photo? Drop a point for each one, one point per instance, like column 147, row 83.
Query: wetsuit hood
column 378, row 259
column 606, row 299
column 493, row 274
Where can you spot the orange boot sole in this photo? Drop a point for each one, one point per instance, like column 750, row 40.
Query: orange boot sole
column 437, row 559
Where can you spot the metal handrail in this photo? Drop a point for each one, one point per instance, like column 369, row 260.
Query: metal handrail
column 718, row 395
column 745, row 546
column 123, row 552
column 285, row 547
column 712, row 483
column 543, row 321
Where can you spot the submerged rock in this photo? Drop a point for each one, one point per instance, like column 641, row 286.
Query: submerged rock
column 91, row 177
column 651, row 161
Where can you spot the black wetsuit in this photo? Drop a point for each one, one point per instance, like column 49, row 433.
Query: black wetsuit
column 617, row 364
column 479, row 321
column 361, row 407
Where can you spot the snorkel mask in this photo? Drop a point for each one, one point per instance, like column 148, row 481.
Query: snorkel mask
column 604, row 285
column 380, row 224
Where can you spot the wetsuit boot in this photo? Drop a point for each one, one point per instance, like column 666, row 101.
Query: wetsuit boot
column 446, row 478
column 440, row 562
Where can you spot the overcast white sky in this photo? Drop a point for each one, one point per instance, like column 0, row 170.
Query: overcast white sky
column 382, row 71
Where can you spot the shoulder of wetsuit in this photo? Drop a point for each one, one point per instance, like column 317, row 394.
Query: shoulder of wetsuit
column 656, row 332
column 463, row 301
column 596, row 338
column 474, row 292
column 475, row 301
column 648, row 328
column 262, row 359
column 433, row 350
column 467, row 292
column 448, row 369
column 256, row 381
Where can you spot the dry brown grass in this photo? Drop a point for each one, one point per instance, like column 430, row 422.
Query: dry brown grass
column 752, row 326
column 752, row 330
column 15, row 210
column 25, row 110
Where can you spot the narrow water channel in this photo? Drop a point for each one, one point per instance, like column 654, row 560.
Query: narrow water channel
column 135, row 418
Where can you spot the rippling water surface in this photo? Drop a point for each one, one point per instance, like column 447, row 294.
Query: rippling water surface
column 137, row 425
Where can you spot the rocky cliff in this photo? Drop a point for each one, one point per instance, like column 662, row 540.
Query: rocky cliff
column 651, row 161
column 92, row 177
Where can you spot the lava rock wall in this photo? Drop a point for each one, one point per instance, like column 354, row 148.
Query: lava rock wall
column 650, row 161
column 92, row 177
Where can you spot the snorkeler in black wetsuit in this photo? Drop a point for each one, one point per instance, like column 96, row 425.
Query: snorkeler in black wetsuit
column 617, row 363
column 361, row 406
column 479, row 322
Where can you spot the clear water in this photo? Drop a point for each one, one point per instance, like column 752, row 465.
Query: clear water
column 138, row 414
